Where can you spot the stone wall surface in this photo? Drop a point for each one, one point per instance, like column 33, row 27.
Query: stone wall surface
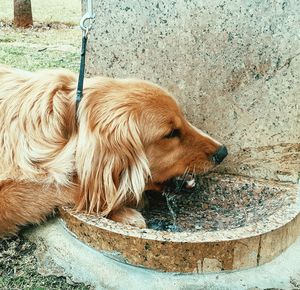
column 233, row 65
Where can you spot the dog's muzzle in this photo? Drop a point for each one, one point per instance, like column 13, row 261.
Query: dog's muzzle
column 220, row 155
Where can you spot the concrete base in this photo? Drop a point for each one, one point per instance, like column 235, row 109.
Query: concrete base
column 60, row 253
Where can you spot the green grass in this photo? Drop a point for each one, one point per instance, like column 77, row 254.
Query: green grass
column 33, row 60
column 33, row 49
column 47, row 11
column 52, row 42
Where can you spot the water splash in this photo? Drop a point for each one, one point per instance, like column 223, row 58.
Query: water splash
column 171, row 204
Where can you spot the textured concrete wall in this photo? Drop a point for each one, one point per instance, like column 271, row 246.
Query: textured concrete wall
column 233, row 65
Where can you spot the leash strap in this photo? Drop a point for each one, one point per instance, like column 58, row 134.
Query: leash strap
column 86, row 24
column 81, row 72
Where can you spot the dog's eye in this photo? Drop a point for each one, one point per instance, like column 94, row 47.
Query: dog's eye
column 174, row 133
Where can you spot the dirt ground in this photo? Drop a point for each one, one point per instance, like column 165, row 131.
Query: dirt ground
column 19, row 268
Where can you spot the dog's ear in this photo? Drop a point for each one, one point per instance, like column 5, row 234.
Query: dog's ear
column 111, row 164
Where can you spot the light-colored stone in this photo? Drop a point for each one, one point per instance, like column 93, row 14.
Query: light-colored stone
column 211, row 265
column 275, row 242
column 233, row 65
column 245, row 253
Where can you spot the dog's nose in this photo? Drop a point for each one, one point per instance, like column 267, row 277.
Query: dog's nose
column 220, row 155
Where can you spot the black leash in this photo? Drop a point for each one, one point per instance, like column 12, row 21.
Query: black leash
column 79, row 91
column 86, row 24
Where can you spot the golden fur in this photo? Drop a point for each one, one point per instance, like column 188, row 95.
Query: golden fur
column 121, row 145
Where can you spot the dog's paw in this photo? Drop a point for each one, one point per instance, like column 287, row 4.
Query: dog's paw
column 129, row 216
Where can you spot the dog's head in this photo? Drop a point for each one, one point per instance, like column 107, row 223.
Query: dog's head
column 132, row 136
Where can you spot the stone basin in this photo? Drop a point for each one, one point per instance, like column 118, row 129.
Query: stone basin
column 226, row 222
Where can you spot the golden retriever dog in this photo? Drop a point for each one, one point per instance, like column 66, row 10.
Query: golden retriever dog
column 128, row 136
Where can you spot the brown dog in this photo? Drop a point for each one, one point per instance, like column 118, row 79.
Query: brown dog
column 130, row 135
